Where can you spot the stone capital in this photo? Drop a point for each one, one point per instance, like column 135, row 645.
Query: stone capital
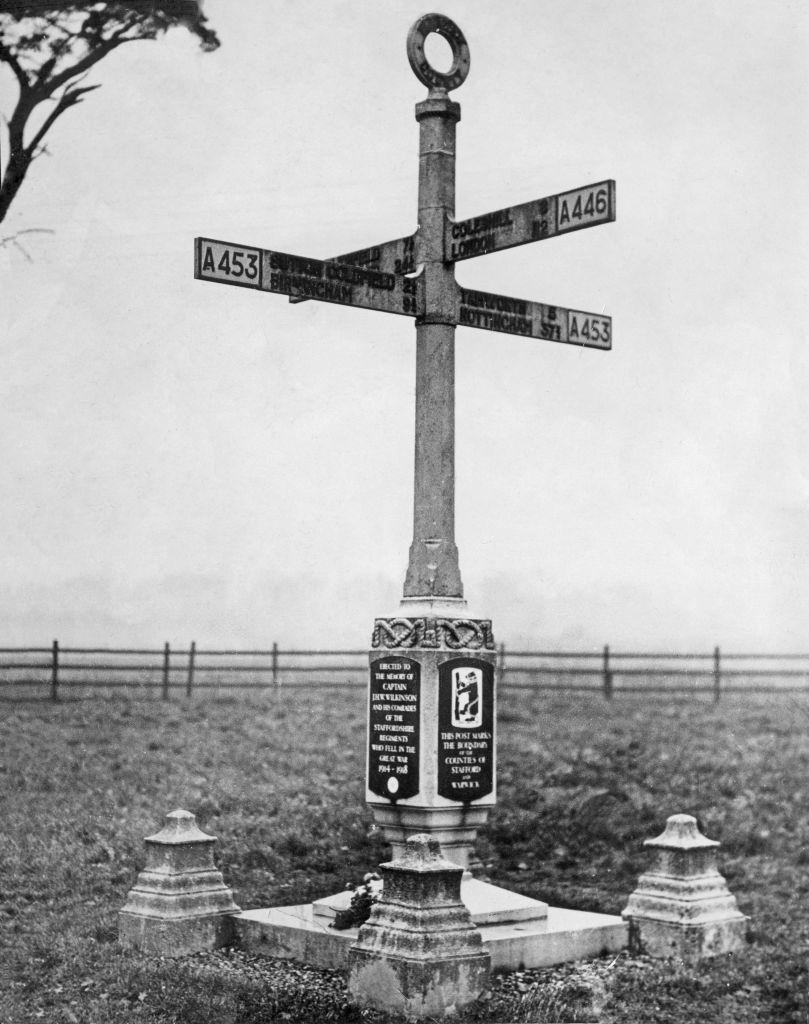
column 433, row 632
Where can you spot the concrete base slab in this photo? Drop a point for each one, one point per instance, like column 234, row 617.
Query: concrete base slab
column 563, row 936
column 487, row 904
column 296, row 933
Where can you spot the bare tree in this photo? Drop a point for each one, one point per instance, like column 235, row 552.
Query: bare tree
column 51, row 48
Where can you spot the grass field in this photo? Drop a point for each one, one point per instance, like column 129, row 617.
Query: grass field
column 278, row 778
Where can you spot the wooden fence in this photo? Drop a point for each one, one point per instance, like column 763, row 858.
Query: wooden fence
column 176, row 671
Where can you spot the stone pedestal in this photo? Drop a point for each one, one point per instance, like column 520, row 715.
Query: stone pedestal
column 419, row 952
column 179, row 903
column 682, row 907
column 431, row 729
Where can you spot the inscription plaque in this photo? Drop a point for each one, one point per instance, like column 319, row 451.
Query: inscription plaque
column 393, row 728
column 465, row 729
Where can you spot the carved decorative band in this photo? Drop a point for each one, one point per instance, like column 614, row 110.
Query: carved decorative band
column 454, row 634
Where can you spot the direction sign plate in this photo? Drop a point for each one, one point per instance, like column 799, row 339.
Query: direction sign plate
column 395, row 257
column 328, row 281
column 530, row 222
column 491, row 312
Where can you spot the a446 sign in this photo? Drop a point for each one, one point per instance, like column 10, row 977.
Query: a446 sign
column 530, row 222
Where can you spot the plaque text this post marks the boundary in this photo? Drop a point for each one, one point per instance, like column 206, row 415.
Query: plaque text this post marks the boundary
column 431, row 700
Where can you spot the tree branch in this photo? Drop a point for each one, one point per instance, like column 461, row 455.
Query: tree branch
column 69, row 98
column 14, row 239
column 101, row 49
column 7, row 57
column 56, row 48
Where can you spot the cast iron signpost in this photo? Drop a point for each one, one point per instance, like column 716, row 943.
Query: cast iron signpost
column 431, row 707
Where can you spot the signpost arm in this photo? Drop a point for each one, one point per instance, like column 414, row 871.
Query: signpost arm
column 433, row 572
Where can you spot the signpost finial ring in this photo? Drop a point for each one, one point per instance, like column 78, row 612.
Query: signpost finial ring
column 422, row 68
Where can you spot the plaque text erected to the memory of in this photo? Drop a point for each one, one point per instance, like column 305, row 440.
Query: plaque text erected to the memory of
column 393, row 734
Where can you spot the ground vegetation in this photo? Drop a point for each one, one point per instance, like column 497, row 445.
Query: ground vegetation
column 279, row 779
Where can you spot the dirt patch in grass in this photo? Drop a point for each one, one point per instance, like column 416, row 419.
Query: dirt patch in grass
column 279, row 779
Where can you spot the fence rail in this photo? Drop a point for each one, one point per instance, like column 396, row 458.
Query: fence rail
column 167, row 671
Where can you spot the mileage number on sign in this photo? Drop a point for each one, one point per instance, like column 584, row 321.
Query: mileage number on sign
column 235, row 264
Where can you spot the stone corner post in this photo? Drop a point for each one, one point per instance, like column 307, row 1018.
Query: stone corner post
column 682, row 907
column 179, row 903
column 419, row 953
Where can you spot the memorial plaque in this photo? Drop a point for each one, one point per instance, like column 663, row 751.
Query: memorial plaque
column 393, row 728
column 301, row 277
column 530, row 222
column 465, row 729
column 491, row 312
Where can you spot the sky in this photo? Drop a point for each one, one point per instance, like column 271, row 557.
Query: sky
column 187, row 462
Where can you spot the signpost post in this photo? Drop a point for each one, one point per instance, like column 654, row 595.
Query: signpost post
column 431, row 754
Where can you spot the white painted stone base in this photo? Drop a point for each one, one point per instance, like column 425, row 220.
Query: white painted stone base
column 296, row 933
column 562, row 937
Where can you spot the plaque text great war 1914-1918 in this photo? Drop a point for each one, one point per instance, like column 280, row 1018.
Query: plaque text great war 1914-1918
column 393, row 728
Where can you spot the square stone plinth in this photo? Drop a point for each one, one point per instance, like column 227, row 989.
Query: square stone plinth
column 180, row 936
column 682, row 907
column 179, row 903
column 688, row 942
column 297, row 933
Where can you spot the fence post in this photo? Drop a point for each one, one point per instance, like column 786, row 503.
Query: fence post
column 55, row 671
column 717, row 676
column 607, row 673
column 166, row 655
column 501, row 664
column 275, row 663
column 191, row 656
